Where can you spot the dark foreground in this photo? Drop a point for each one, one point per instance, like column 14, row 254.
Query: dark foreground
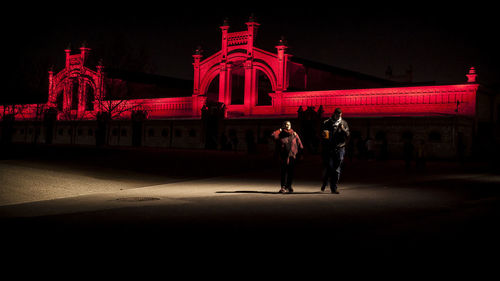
column 202, row 205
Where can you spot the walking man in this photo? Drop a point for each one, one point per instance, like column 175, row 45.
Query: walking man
column 335, row 134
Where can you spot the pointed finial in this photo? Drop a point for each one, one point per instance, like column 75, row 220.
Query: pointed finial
column 282, row 41
column 198, row 50
column 100, row 65
column 226, row 22
column 472, row 75
column 252, row 18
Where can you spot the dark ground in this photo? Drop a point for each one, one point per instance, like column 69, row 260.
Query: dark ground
column 224, row 207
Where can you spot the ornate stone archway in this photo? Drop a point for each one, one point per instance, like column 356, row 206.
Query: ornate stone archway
column 238, row 48
column 75, row 81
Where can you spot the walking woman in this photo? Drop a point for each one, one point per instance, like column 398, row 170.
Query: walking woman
column 288, row 145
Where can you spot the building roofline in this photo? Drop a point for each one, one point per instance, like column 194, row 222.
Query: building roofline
column 147, row 78
column 338, row 70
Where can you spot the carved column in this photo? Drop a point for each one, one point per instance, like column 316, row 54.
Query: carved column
column 282, row 66
column 282, row 79
column 229, row 82
column 52, row 97
column 196, row 65
column 224, row 28
column 222, row 82
column 99, row 92
column 250, row 95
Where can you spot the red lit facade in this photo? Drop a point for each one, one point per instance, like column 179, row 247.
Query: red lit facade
column 250, row 84
column 79, row 92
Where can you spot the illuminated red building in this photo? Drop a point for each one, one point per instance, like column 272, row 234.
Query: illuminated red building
column 252, row 89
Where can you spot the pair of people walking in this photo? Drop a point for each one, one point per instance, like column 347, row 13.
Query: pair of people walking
column 335, row 134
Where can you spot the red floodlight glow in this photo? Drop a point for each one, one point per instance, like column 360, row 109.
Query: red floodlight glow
column 77, row 92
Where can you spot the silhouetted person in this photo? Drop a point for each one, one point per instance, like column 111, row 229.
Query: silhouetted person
column 234, row 141
column 384, row 151
column 224, row 142
column 288, row 145
column 250, row 141
column 335, row 135
column 408, row 153
column 370, row 152
column 461, row 147
column 360, row 146
column 420, row 156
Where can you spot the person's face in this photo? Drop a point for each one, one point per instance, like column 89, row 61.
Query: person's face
column 288, row 125
column 337, row 115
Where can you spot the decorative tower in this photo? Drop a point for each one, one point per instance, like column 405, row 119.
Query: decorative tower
column 471, row 76
column 224, row 28
column 252, row 26
column 99, row 93
column 68, row 54
column 198, row 101
column 83, row 53
column 281, row 79
column 196, row 65
column 51, row 102
column 224, row 67
column 282, row 65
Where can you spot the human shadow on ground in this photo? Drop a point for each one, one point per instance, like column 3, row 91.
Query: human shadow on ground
column 270, row 192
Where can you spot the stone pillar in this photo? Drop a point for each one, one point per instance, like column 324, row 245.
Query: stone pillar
column 250, row 89
column 68, row 53
column 99, row 91
column 252, row 26
column 224, row 28
column 222, row 81
column 83, row 53
column 52, row 94
column 229, row 82
column 282, row 79
column 196, row 65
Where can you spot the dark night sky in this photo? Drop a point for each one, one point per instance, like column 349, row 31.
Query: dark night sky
column 439, row 42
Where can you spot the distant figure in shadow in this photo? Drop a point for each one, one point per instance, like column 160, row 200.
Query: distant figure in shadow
column 408, row 153
column 420, row 156
column 250, row 141
column 370, row 151
column 224, row 142
column 288, row 144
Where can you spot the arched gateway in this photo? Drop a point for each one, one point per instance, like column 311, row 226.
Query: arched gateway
column 241, row 71
column 235, row 75
column 76, row 89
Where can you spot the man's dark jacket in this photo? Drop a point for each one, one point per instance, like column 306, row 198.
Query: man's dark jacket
column 338, row 138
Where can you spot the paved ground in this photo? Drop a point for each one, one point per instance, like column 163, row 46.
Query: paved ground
column 184, row 201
